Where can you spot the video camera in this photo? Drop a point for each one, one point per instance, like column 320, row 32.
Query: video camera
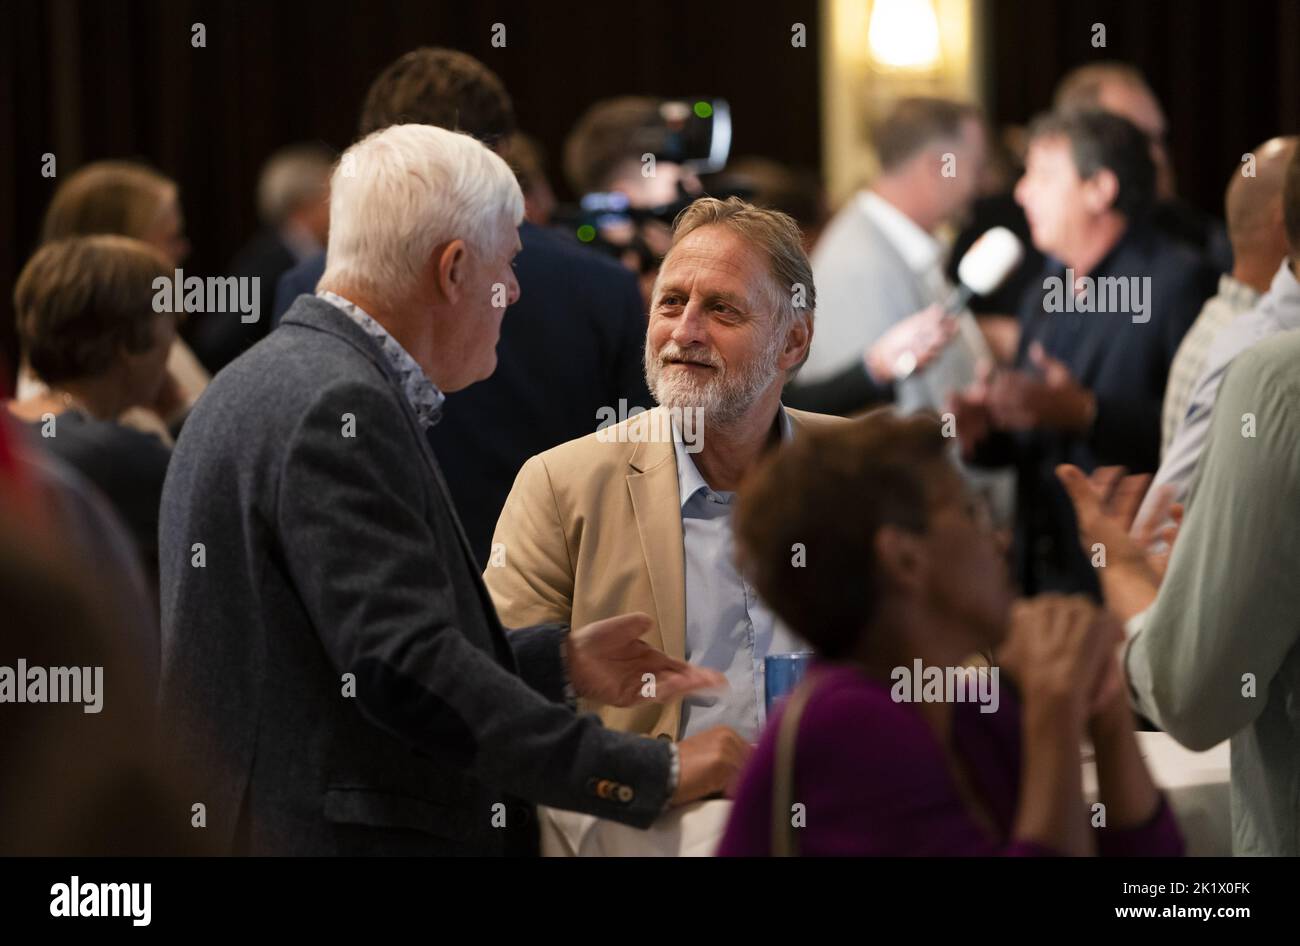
column 692, row 133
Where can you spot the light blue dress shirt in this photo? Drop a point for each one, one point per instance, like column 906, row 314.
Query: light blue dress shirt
column 728, row 628
column 1277, row 311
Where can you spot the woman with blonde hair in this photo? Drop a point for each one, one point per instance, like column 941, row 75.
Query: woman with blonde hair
column 119, row 197
column 133, row 200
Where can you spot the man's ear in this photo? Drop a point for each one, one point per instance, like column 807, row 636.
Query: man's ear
column 1101, row 190
column 901, row 558
column 450, row 261
column 797, row 342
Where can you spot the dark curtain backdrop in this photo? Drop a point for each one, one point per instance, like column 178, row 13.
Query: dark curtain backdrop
column 1226, row 71
column 90, row 79
column 99, row 79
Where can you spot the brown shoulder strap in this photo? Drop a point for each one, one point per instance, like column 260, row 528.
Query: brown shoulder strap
column 784, row 841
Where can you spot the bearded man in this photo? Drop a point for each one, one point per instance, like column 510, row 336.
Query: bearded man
column 636, row 516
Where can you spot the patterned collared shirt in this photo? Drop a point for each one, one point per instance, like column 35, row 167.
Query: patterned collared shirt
column 1233, row 299
column 424, row 397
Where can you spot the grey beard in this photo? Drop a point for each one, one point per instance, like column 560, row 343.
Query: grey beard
column 723, row 400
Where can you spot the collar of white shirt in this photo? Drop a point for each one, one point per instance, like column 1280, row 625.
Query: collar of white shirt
column 1284, row 295
column 689, row 480
column 920, row 250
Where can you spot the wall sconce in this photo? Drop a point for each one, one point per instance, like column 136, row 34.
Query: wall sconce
column 904, row 35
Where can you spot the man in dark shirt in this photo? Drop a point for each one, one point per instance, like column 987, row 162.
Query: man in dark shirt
column 1099, row 331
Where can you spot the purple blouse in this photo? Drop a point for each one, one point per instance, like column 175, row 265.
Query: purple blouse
column 873, row 780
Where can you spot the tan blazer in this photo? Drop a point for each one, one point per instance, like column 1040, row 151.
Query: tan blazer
column 593, row 528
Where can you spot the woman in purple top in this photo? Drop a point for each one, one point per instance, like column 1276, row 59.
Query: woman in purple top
column 899, row 567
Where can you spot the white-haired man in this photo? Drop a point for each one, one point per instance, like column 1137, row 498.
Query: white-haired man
column 637, row 515
column 293, row 205
column 333, row 668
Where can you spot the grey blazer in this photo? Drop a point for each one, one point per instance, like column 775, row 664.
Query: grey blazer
column 334, row 673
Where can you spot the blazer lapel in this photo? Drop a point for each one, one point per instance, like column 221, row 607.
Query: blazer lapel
column 656, row 503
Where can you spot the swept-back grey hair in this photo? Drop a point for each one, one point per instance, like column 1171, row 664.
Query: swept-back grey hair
column 399, row 192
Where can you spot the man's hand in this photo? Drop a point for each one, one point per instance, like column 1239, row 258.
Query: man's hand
column 910, row 345
column 609, row 663
column 710, row 763
column 1157, row 529
column 1018, row 400
column 970, row 410
column 1002, row 335
column 1104, row 506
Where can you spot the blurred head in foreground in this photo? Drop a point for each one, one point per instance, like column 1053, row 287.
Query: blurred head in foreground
column 81, row 777
column 895, row 544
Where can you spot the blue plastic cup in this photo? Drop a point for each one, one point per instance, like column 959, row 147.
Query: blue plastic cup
column 782, row 673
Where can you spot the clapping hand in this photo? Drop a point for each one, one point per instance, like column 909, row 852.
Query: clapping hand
column 1061, row 650
column 1105, row 505
column 1050, row 400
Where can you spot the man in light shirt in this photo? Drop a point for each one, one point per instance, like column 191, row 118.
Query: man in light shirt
column 1277, row 190
column 1214, row 647
column 1253, row 206
column 637, row 515
column 880, row 261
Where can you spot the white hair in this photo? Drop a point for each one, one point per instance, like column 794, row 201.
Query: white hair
column 291, row 177
column 399, row 192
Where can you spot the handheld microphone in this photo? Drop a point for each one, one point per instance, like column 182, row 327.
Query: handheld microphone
column 986, row 265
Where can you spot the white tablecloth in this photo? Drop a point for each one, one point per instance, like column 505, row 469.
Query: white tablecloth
column 1196, row 784
column 690, row 831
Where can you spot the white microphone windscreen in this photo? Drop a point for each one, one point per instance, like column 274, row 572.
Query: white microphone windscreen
column 990, row 260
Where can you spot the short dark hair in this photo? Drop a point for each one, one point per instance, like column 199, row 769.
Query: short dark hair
column 830, row 491
column 609, row 133
column 1100, row 140
column 443, row 87
column 776, row 186
column 1291, row 203
column 918, row 121
column 78, row 299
